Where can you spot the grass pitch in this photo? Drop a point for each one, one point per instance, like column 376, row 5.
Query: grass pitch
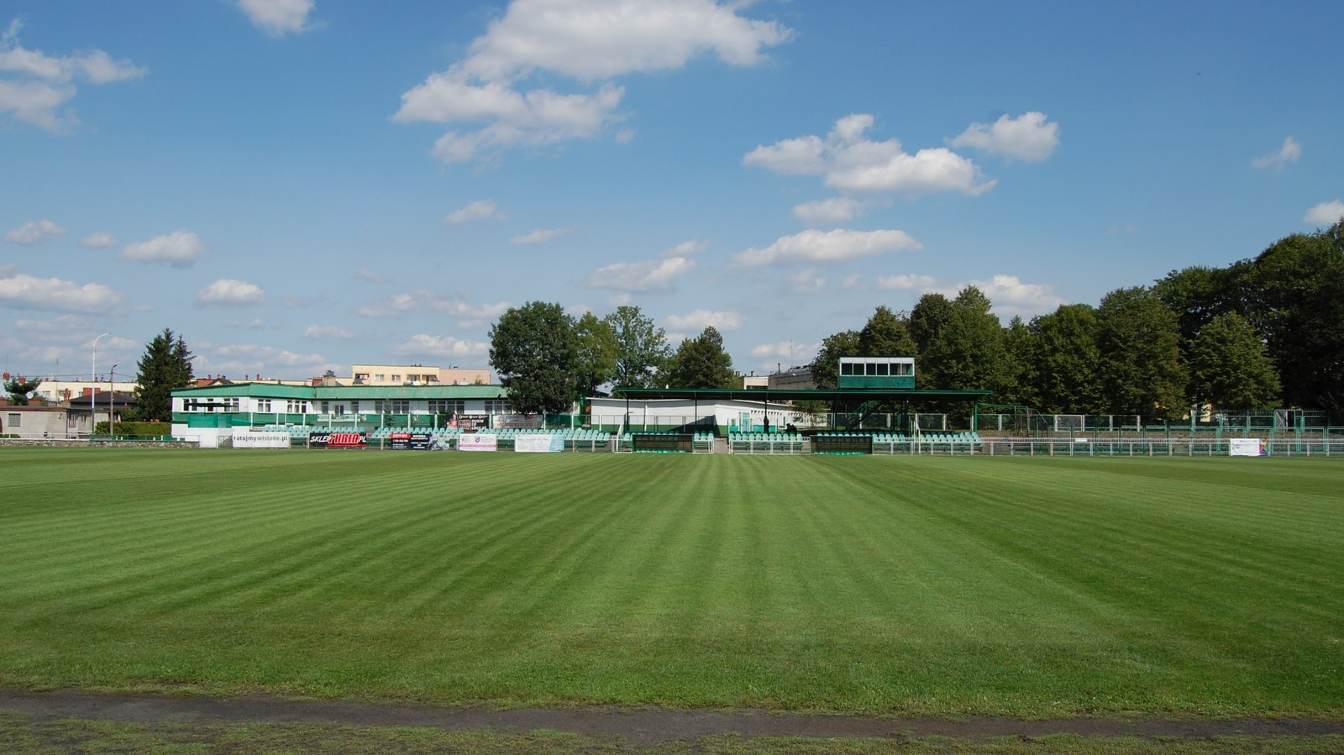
column 1019, row 587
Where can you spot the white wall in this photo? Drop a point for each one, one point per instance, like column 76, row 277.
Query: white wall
column 671, row 412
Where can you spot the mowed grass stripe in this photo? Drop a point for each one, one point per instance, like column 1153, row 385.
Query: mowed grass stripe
column 907, row 584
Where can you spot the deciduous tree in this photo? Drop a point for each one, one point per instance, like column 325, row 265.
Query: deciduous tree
column 534, row 349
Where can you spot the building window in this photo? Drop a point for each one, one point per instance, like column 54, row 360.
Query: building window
column 231, row 404
column 340, row 410
column 326, row 407
column 446, row 406
column 354, row 407
column 498, row 407
column 15, row 420
column 882, row 369
column 400, row 406
column 263, row 405
column 296, row 407
column 380, row 377
column 396, row 378
column 846, row 368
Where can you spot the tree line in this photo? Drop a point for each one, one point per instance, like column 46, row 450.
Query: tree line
column 547, row 359
column 1258, row 333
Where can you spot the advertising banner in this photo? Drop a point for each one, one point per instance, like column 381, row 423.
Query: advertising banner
column 409, row 441
column 539, row 443
column 1243, row 447
column 325, row 439
column 244, row 438
column 476, row 442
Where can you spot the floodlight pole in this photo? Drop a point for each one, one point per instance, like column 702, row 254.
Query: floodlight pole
column 93, row 363
column 111, row 401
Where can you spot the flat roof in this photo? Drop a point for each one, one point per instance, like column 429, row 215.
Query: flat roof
column 807, row 394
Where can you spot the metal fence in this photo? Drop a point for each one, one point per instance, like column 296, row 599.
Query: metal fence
column 1304, row 446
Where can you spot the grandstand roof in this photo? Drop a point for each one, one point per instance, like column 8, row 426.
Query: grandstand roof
column 806, row 394
column 277, row 390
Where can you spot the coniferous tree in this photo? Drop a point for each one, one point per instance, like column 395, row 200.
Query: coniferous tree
column 165, row 365
column 19, row 389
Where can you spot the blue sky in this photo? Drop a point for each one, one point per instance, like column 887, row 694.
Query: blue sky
column 300, row 184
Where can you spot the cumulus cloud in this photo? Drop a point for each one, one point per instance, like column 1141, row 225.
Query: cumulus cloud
column 228, row 292
column 1013, row 296
column 823, row 211
column 1288, row 152
column 1029, row 137
column 278, row 17
column 849, row 161
column 1325, row 213
column 369, row 276
column 646, row 275
column 422, row 301
column 905, row 282
column 698, row 320
column 588, row 41
column 327, row 331
column 34, row 231
column 22, row 291
column 481, row 209
column 836, row 245
column 37, row 85
column 539, row 236
column 179, row 249
column 422, row 344
column 788, row 351
column 99, row 241
column 686, row 249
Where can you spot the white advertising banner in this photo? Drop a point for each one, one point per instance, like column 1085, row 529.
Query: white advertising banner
column 1243, row 447
column 243, row 438
column 476, row 442
column 539, row 443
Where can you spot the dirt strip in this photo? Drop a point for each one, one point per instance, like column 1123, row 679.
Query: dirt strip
column 641, row 725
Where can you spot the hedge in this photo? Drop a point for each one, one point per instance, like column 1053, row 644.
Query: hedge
column 136, row 428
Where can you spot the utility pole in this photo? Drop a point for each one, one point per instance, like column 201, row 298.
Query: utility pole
column 93, row 364
column 112, row 401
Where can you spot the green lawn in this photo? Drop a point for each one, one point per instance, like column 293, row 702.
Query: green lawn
column 1026, row 587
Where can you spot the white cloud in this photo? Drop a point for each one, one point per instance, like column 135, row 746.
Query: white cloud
column 1014, row 297
column 587, row 41
column 829, row 246
column 1325, row 213
column 36, row 103
column 99, row 241
column 227, row 292
column 686, row 249
column 327, row 331
column 698, row 320
column 21, row 291
column 421, row 302
column 850, row 162
column 278, row 17
column 43, row 86
column 481, row 209
column 1289, row 152
column 369, row 276
column 1029, row 137
column 905, row 282
column 440, row 346
column 179, row 249
column 823, row 211
column 807, row 281
column 539, row 236
column 34, row 231
column 645, row 275
column 253, row 358
column 789, row 351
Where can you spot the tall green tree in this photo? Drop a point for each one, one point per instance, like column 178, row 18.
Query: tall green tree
column 597, row 352
column 165, row 365
column 1140, row 364
column 969, row 350
column 1230, row 366
column 641, row 347
column 825, row 366
column 1065, row 360
column 535, row 350
column 19, row 389
column 701, row 362
column 928, row 317
column 1019, row 384
column 886, row 334
column 1296, row 292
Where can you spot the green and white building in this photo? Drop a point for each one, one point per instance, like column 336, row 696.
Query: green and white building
column 216, row 409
